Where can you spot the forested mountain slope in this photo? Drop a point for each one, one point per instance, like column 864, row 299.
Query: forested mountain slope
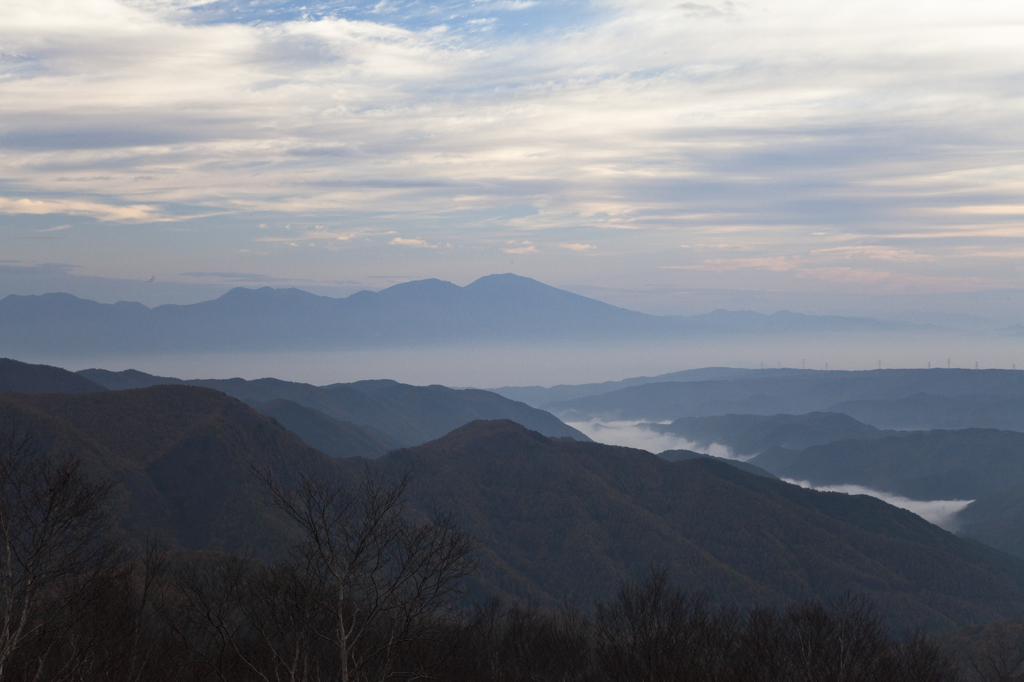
column 750, row 434
column 964, row 464
column 328, row 435
column 554, row 517
column 25, row 378
column 408, row 415
column 558, row 517
column 182, row 459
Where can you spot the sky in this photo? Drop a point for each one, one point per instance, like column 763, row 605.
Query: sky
column 672, row 157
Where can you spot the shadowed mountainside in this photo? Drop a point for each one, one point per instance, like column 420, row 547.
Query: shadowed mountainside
column 407, row 415
column 922, row 465
column 22, row 377
column 683, row 455
column 326, row 434
column 557, row 517
column 750, row 434
column 984, row 465
column 182, row 457
column 997, row 519
column 554, row 517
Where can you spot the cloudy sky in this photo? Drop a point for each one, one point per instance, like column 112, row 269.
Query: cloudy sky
column 664, row 155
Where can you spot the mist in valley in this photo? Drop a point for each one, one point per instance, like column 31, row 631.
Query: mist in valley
column 547, row 364
column 636, row 435
column 940, row 512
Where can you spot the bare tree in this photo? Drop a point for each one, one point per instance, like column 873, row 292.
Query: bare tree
column 655, row 632
column 1001, row 659
column 54, row 544
column 385, row 579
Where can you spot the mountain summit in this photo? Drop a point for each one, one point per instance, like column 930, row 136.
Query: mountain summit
column 497, row 308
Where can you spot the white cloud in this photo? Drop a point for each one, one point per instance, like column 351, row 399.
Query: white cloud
column 419, row 243
column 777, row 129
column 633, row 434
column 875, row 252
column 515, row 247
column 317, row 233
column 940, row 512
column 137, row 213
column 578, row 247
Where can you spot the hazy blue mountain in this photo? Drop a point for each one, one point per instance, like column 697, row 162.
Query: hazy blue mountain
column 497, row 308
column 924, row 411
column 539, row 395
column 965, row 464
column 750, row 434
column 126, row 379
column 770, row 392
column 403, row 414
column 22, row 377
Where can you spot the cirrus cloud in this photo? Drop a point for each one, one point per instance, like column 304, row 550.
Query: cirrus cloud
column 781, row 131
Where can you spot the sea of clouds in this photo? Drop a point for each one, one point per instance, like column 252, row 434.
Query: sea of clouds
column 632, row 434
column 940, row 512
column 638, row 435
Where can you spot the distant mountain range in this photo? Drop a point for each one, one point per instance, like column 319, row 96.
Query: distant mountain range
column 908, row 399
column 497, row 308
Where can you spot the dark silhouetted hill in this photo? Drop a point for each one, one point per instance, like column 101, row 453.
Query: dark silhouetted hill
column 126, row 379
column 554, row 517
column 182, row 457
column 749, row 434
column 22, row 377
column 997, row 519
column 559, row 518
column 922, row 465
column 984, row 465
column 683, row 455
column 326, row 434
column 407, row 415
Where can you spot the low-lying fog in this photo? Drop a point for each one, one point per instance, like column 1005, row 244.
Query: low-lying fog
column 940, row 512
column 490, row 365
column 634, row 435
